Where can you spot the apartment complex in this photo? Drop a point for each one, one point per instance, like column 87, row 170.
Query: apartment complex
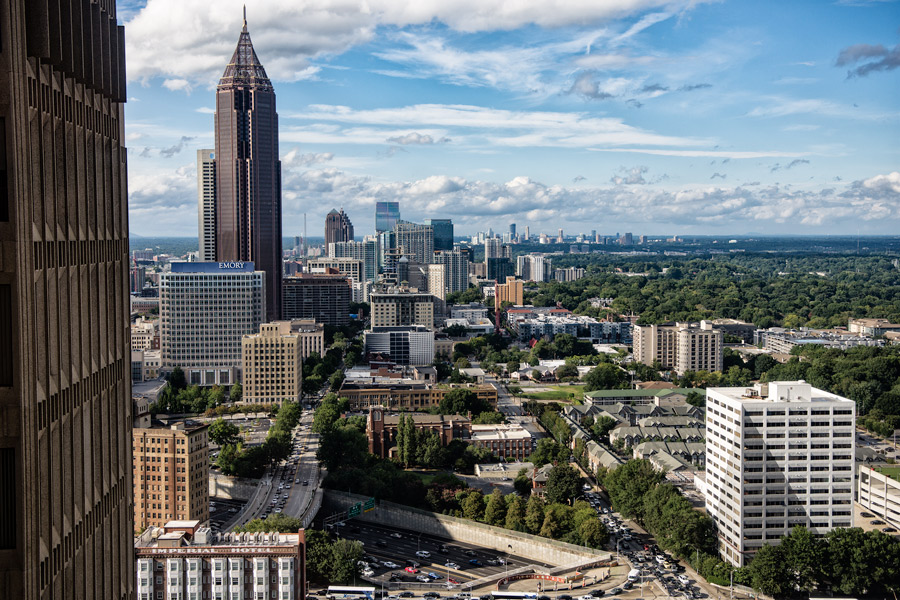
column 402, row 309
column 205, row 310
column 872, row 327
column 171, row 474
column 184, row 561
column 65, row 393
column 415, row 241
column 272, row 364
column 322, row 298
column 365, row 251
column 408, row 396
column 778, row 455
column 513, row 291
column 348, row 267
column 533, row 267
column 679, row 346
column 381, row 428
column 456, row 268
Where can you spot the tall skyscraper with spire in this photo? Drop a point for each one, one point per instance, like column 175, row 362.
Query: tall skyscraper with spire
column 248, row 171
column 66, row 526
column 338, row 227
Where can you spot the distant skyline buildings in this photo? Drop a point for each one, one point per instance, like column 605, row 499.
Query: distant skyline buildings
column 338, row 227
column 387, row 215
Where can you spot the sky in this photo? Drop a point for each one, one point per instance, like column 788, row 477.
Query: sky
column 658, row 117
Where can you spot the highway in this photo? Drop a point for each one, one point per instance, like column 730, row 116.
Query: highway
column 399, row 546
column 292, row 497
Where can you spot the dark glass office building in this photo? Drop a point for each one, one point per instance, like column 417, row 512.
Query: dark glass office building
column 387, row 214
column 443, row 233
column 248, row 172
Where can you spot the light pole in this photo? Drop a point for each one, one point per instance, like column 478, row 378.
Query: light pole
column 508, row 550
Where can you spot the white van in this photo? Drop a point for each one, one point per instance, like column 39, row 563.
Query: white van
column 634, row 575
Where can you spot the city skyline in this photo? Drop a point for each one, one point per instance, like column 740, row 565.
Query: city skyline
column 661, row 117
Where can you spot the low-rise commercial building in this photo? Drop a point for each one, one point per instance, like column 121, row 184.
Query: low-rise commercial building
column 781, row 341
column 171, row 474
column 145, row 334
column 507, row 441
column 184, row 561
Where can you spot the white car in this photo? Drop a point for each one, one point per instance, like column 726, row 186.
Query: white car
column 368, row 573
column 423, row 554
column 390, row 565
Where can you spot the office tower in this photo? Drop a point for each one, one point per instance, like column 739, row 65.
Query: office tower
column 527, row 233
column 682, row 346
column 499, row 269
column 204, row 311
column 136, row 278
column 456, row 268
column 436, row 280
column 401, row 310
column 186, row 561
column 323, row 298
column 387, row 215
column 443, row 233
column 206, row 204
column 171, row 474
column 65, row 392
column 559, row 237
column 248, row 172
column 411, row 345
column 415, row 241
column 778, row 455
column 365, row 251
column 338, row 227
column 512, row 230
column 272, row 364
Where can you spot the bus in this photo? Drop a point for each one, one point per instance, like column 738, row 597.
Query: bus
column 514, row 595
column 342, row 592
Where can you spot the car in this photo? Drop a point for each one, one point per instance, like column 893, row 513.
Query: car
column 615, row 591
column 396, row 535
column 368, row 573
column 684, row 579
column 423, row 553
column 451, row 565
column 469, row 553
column 406, row 594
column 431, row 595
column 412, row 563
column 564, row 597
column 305, row 483
column 422, row 578
column 433, row 575
column 411, row 570
column 889, row 530
column 475, row 562
column 444, row 549
column 453, row 581
column 390, row 565
column 380, row 543
column 627, row 585
column 877, row 522
column 867, row 515
column 296, row 481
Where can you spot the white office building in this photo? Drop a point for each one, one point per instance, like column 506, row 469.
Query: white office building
column 778, row 455
column 205, row 309
column 206, row 203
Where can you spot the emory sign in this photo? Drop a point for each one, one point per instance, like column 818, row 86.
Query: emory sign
column 231, row 265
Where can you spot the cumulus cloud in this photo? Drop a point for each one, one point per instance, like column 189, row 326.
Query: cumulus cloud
column 630, row 176
column 295, row 158
column 416, row 138
column 887, row 184
column 290, row 33
column 873, row 58
column 588, row 86
column 177, row 85
column 173, row 150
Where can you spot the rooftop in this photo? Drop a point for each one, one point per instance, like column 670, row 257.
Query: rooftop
column 780, row 391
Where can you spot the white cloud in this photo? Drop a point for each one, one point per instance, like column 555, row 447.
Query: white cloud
column 177, row 85
column 705, row 153
column 889, row 183
column 205, row 110
column 288, row 33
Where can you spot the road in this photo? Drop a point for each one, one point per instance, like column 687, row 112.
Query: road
column 283, row 487
column 506, row 403
column 400, row 546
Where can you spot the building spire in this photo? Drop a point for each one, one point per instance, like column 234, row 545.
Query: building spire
column 244, row 30
column 244, row 67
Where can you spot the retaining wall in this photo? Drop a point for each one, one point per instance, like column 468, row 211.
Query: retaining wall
column 522, row 544
column 232, row 488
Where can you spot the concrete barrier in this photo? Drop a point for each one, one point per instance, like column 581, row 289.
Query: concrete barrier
column 501, row 540
column 232, row 488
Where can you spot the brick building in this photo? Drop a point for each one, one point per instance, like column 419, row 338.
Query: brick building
column 381, row 428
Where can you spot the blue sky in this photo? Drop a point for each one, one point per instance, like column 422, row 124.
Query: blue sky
column 650, row 116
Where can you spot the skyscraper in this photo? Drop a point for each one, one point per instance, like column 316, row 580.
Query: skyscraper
column 338, row 227
column 443, row 233
column 387, row 214
column 206, row 204
column 65, row 391
column 248, row 172
column 416, row 241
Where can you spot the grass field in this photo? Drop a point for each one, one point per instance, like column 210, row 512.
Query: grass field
column 562, row 393
column 892, row 472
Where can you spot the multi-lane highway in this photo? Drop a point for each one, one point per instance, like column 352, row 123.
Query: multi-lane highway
column 400, row 547
column 282, row 489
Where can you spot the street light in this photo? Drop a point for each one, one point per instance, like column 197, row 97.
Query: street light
column 508, row 550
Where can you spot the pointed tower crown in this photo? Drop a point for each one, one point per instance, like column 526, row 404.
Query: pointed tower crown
column 244, row 69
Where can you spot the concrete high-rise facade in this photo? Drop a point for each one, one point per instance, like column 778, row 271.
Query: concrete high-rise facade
column 513, row 291
column 387, row 215
column 682, row 346
column 402, row 310
column 65, row 392
column 204, row 311
column 171, row 474
column 778, row 455
column 456, row 268
column 321, row 297
column 248, row 171
column 272, row 364
column 206, row 204
column 415, row 241
column 365, row 251
column 338, row 227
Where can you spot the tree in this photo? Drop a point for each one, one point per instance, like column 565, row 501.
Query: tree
column 563, row 484
column 805, row 556
column 318, row 553
column 460, row 401
column 176, row 379
column 489, row 418
column 223, row 433
column 628, row 484
column 275, row 522
column 336, row 379
column 534, row 514
column 236, row 393
column 593, row 533
column 522, row 483
column 606, row 376
column 344, row 556
column 550, row 528
column 567, row 372
column 769, row 572
column 602, row 426
column 328, row 413
column 512, row 366
column 341, row 447
column 473, row 506
column 515, row 514
column 495, row 513
column 288, row 415
column 547, row 451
